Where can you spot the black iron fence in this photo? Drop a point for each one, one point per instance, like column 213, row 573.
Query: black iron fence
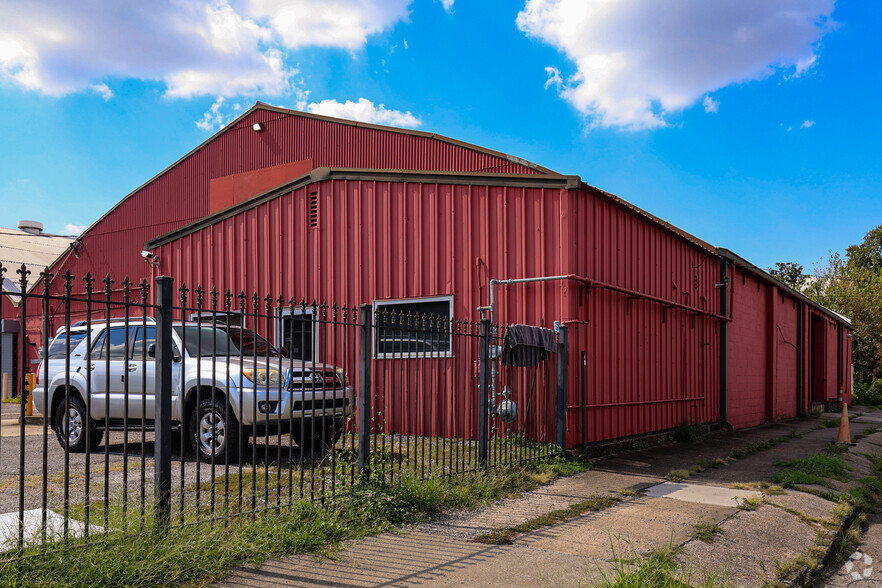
column 162, row 405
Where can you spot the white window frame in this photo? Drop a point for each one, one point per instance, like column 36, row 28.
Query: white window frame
column 195, row 316
column 280, row 329
column 427, row 354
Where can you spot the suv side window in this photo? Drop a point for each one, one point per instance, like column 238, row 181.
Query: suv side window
column 140, row 347
column 58, row 347
column 117, row 351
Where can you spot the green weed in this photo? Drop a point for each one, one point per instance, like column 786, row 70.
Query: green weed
column 508, row 534
column 656, row 569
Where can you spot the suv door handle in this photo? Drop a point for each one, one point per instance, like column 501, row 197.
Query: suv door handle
column 133, row 367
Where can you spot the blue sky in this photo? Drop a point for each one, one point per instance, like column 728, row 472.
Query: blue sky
column 753, row 124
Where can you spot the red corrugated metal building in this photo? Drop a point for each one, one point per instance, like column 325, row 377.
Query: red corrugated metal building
column 311, row 207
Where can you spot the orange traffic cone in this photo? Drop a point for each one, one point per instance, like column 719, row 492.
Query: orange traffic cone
column 844, row 430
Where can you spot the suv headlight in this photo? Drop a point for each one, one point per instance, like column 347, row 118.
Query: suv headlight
column 263, row 377
column 342, row 376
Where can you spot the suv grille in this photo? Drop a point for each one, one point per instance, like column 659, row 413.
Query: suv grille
column 320, row 403
column 317, row 381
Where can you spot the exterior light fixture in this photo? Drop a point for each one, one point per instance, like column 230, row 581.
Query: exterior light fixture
column 257, row 127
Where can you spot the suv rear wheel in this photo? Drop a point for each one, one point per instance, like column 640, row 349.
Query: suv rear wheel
column 78, row 423
column 214, row 431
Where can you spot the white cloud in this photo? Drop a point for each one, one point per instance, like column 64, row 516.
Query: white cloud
column 102, row 89
column 72, row 229
column 807, row 124
column 195, row 47
column 638, row 60
column 328, row 23
column 710, row 105
column 448, row 5
column 365, row 111
column 554, row 78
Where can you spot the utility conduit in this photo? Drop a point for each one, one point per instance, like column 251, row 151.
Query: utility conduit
column 596, row 284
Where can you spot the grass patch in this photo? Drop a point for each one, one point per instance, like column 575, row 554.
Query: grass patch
column 818, row 469
column 764, row 487
column 828, row 423
column 849, row 539
column 508, row 534
column 16, row 400
column 688, row 433
column 656, row 569
column 627, row 492
column 706, row 532
column 756, row 447
column 750, row 502
column 677, row 475
column 681, row 475
column 200, row 554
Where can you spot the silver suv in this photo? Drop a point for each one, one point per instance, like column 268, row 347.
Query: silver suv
column 225, row 377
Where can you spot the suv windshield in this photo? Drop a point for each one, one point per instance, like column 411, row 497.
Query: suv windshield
column 251, row 343
column 205, row 341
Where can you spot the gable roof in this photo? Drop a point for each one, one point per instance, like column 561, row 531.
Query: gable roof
column 36, row 252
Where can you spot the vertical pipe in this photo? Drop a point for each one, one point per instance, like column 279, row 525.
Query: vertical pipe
column 584, row 404
column 560, row 421
column 483, row 391
column 164, row 359
column 839, row 384
column 800, row 358
column 364, row 389
column 724, row 345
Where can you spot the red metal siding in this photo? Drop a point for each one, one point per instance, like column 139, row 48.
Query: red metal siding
column 649, row 367
column 748, row 350
column 181, row 194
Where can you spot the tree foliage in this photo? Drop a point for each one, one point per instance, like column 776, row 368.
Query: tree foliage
column 790, row 273
column 852, row 286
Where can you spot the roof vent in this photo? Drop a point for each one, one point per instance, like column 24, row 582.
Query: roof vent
column 32, row 227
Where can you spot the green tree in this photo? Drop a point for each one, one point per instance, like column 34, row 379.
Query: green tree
column 790, row 273
column 852, row 286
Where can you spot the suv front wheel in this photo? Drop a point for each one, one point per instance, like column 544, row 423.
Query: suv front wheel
column 214, row 431
column 73, row 433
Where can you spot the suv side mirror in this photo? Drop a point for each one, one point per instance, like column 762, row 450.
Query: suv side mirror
column 41, row 352
column 176, row 355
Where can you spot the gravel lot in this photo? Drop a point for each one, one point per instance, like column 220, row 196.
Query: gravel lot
column 127, row 466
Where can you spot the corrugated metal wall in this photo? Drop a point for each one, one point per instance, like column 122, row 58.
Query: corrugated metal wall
column 763, row 350
column 180, row 195
column 650, row 367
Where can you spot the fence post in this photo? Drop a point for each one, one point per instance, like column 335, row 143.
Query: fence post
column 483, row 392
column 364, row 389
column 561, row 412
column 162, row 444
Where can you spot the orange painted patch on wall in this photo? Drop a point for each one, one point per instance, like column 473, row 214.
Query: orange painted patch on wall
column 229, row 190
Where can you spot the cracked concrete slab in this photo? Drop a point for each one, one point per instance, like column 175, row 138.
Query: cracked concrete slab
column 751, row 546
column 562, row 493
column 628, row 528
column 415, row 559
column 700, row 493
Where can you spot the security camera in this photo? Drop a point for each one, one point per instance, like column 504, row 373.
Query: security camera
column 146, row 255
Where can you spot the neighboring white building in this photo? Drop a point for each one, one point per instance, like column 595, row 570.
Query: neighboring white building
column 30, row 246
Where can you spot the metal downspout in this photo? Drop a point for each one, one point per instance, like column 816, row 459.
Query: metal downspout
column 724, row 345
column 800, row 358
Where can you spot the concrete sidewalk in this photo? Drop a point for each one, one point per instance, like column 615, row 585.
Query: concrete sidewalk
column 750, row 549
